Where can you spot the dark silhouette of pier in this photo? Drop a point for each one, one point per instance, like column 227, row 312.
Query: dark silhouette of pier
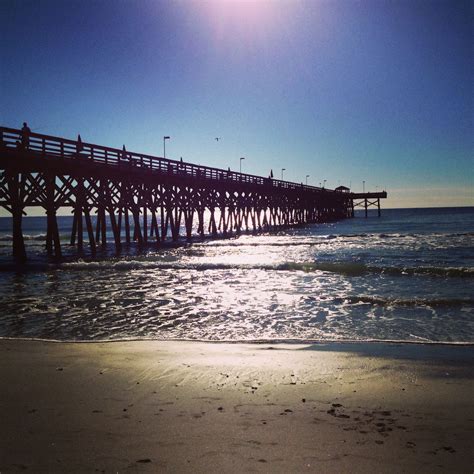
column 147, row 198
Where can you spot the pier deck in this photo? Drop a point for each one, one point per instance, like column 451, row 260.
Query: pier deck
column 146, row 197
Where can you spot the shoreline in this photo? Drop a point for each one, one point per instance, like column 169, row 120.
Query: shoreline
column 335, row 343
column 167, row 406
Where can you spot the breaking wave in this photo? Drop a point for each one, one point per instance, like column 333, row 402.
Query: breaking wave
column 343, row 268
column 360, row 269
column 9, row 238
column 349, row 269
column 30, row 237
column 408, row 302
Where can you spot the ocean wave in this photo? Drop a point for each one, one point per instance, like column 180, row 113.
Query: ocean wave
column 34, row 237
column 360, row 269
column 319, row 240
column 265, row 242
column 125, row 265
column 25, row 237
column 349, row 269
column 430, row 238
column 406, row 302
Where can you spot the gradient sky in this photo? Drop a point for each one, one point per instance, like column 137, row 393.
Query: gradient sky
column 346, row 91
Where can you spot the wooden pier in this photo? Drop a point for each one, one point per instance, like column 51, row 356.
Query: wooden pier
column 146, row 198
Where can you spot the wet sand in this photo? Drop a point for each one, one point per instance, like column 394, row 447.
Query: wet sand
column 198, row 407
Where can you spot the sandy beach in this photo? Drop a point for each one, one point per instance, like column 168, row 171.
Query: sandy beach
column 154, row 406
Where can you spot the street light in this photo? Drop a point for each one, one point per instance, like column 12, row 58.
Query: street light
column 363, row 187
column 243, row 158
column 283, row 169
column 324, row 183
column 307, row 176
column 164, row 146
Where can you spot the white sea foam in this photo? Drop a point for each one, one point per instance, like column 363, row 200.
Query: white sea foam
column 396, row 279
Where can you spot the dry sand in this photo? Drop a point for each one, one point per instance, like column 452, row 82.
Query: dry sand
column 198, row 407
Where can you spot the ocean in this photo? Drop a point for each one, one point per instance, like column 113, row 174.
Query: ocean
column 406, row 276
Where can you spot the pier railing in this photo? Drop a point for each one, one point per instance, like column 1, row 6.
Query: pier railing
column 50, row 147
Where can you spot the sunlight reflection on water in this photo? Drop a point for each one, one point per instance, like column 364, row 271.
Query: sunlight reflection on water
column 339, row 282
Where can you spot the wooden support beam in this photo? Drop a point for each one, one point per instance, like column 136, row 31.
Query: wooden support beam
column 127, row 226
column 152, row 223
column 97, row 226
column 77, row 229
column 145, row 224
column 80, row 232
column 154, row 230
column 171, row 216
column 212, row 223
column 90, row 230
column 177, row 223
column 252, row 216
column 17, row 206
column 224, row 221
column 115, row 231
column 56, row 239
column 188, row 220
column 74, row 228
column 119, row 221
column 137, row 233
column 200, row 229
column 265, row 220
column 103, row 229
column 52, row 233
column 163, row 220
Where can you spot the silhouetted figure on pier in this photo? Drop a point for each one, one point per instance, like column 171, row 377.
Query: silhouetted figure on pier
column 124, row 154
column 25, row 136
column 79, row 145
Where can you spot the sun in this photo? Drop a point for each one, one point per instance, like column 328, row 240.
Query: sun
column 242, row 20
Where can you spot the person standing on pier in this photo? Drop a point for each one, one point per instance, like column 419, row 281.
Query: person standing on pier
column 25, row 136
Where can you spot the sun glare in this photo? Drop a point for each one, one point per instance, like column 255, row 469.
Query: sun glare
column 242, row 21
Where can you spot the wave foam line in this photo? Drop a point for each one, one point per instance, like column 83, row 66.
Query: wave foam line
column 361, row 269
column 413, row 302
column 9, row 238
column 31, row 237
column 321, row 240
column 350, row 269
column 263, row 341
column 326, row 239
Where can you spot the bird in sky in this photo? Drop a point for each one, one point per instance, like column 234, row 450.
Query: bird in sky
column 217, row 139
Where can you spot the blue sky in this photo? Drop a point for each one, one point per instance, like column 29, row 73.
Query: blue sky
column 345, row 91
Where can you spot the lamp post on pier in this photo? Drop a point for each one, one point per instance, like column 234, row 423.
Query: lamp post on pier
column 324, row 183
column 363, row 187
column 283, row 169
column 243, row 158
column 307, row 176
column 164, row 146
